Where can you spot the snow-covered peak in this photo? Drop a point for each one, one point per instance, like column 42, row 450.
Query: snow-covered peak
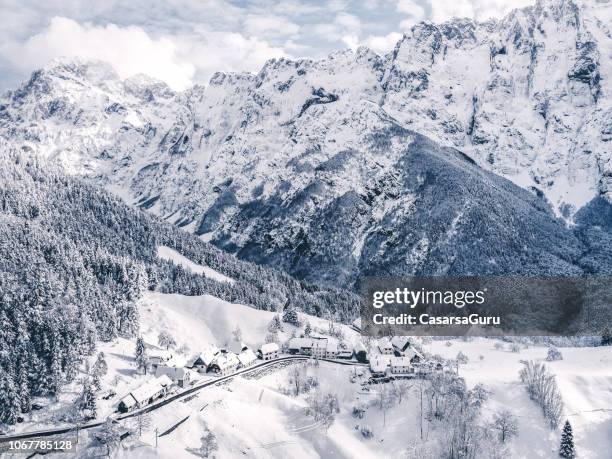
column 526, row 96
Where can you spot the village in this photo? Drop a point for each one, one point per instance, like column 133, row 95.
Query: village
column 386, row 358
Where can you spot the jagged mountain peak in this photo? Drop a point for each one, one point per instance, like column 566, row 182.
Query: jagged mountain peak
column 526, row 97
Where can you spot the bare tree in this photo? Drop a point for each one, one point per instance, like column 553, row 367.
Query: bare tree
column 542, row 388
column 165, row 339
column 296, row 377
column 109, row 435
column 142, row 422
column 237, row 333
column 400, row 389
column 323, row 407
column 506, row 424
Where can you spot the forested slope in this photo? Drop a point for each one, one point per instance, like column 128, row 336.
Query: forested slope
column 73, row 261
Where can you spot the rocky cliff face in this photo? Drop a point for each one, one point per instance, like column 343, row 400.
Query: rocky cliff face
column 359, row 163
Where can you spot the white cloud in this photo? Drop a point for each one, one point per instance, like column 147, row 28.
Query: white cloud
column 185, row 41
column 383, row 44
column 443, row 10
column 226, row 51
column 270, row 26
column 129, row 50
column 411, row 8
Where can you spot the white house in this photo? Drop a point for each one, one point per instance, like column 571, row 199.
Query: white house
column 319, row 348
column 345, row 354
column 145, row 394
column 224, row 364
column 268, row 351
column 300, row 346
column 401, row 366
column 202, row 361
column 384, row 346
column 180, row 376
column 379, row 365
column 331, row 350
column 247, row 358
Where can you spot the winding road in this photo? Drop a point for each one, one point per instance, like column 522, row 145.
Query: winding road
column 156, row 405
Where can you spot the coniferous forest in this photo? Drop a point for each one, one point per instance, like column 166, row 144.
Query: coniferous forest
column 73, row 262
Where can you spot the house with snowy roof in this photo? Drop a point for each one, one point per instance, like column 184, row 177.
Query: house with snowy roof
column 246, row 358
column 158, row 357
column 300, row 346
column 331, row 349
column 180, row 376
column 414, row 355
column 400, row 344
column 384, row 346
column 379, row 364
column 145, row 394
column 203, row 360
column 224, row 363
column 268, row 351
column 400, row 366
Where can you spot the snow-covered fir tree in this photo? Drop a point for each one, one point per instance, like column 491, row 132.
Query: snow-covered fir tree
column 290, row 316
column 87, row 399
column 567, row 449
column 606, row 337
column 275, row 324
column 100, row 366
column 140, row 355
column 10, row 403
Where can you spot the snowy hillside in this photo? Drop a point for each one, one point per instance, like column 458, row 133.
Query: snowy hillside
column 234, row 411
column 272, row 166
column 166, row 253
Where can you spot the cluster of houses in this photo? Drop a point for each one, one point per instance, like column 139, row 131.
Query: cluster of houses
column 386, row 357
column 225, row 361
column 319, row 347
column 395, row 356
column 211, row 360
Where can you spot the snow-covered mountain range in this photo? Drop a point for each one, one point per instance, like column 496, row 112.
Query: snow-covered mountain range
column 360, row 163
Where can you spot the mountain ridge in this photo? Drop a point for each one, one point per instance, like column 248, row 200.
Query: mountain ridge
column 526, row 97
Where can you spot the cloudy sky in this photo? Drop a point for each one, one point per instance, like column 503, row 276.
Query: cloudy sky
column 184, row 41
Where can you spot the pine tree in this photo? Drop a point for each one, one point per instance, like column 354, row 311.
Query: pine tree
column 275, row 324
column 290, row 316
column 606, row 337
column 141, row 355
column 307, row 329
column 24, row 390
column 100, row 367
column 128, row 318
column 95, row 380
column 237, row 333
column 87, row 400
column 55, row 377
column 10, row 403
column 72, row 362
column 566, row 449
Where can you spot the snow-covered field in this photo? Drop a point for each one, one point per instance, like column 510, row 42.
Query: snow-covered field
column 257, row 417
column 584, row 377
column 172, row 255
